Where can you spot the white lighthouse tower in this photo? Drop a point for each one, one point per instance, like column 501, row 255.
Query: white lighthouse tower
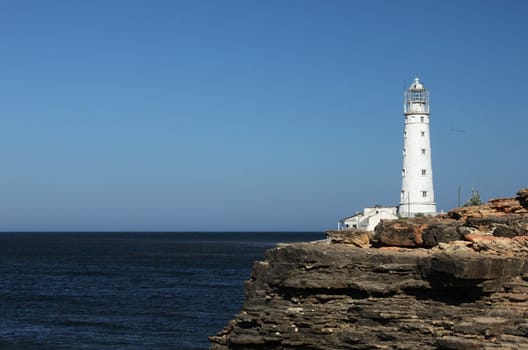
column 417, row 193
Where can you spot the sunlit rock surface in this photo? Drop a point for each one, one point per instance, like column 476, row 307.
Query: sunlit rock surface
column 427, row 283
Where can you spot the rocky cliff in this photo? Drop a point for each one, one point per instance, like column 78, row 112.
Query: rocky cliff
column 457, row 281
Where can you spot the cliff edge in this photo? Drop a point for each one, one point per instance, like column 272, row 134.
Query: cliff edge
column 456, row 281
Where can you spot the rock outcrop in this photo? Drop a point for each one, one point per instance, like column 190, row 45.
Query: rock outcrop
column 458, row 281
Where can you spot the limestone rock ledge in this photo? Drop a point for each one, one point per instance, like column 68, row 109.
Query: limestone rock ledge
column 323, row 295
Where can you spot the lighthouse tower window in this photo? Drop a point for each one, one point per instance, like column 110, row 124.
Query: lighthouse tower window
column 424, row 172
column 423, row 150
column 422, row 133
column 421, row 119
column 424, row 194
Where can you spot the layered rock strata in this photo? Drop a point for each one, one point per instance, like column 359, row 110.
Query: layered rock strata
column 426, row 283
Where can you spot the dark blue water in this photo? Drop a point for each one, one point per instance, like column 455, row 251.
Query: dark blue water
column 124, row 290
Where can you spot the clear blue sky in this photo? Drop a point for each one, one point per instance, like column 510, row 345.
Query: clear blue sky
column 249, row 115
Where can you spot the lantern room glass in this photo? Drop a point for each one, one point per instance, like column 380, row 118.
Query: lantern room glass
column 417, row 96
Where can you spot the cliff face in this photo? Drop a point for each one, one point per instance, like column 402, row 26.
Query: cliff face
column 429, row 283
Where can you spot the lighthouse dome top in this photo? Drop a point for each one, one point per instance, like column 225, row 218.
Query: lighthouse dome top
column 416, row 85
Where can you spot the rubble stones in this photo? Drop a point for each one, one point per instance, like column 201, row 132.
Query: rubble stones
column 507, row 217
column 496, row 207
column 522, row 197
column 399, row 233
column 356, row 238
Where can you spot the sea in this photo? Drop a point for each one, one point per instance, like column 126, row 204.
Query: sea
column 125, row 290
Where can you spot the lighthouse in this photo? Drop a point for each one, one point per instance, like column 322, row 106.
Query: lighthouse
column 417, row 193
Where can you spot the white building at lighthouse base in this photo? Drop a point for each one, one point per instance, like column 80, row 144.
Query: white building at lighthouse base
column 368, row 219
